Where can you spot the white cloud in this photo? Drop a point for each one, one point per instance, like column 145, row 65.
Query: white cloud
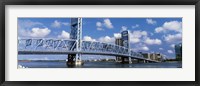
column 170, row 51
column 151, row 34
column 23, row 24
column 173, row 38
column 64, row 35
column 151, row 21
column 159, row 29
column 99, row 28
column 135, row 26
column 145, row 48
column 108, row 23
column 136, row 36
column 58, row 24
column 140, row 47
column 170, row 26
column 117, row 35
column 173, row 25
column 134, row 40
column 39, row 32
column 160, row 48
column 138, row 33
column 172, row 45
column 66, row 23
column 88, row 38
column 124, row 28
column 98, row 24
column 152, row 41
column 24, row 27
column 107, row 39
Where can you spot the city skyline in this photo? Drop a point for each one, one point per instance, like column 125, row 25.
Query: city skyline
column 146, row 34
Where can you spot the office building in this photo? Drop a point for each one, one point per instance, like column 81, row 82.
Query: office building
column 178, row 51
column 125, row 38
column 119, row 41
column 153, row 56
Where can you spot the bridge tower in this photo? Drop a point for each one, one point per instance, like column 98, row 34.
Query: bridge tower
column 76, row 33
column 125, row 39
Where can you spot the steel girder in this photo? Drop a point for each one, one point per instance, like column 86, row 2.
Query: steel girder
column 70, row 45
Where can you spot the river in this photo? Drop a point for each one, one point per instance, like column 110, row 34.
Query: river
column 62, row 64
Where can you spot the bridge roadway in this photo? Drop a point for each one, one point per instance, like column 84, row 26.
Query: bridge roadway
column 21, row 52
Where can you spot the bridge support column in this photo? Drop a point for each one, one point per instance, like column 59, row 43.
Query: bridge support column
column 130, row 60
column 118, row 59
column 78, row 61
column 138, row 61
column 144, row 61
column 74, row 60
column 134, row 60
column 71, row 60
column 126, row 60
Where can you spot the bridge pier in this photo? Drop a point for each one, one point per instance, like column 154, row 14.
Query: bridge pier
column 138, row 61
column 130, row 60
column 145, row 61
column 141, row 61
column 74, row 60
column 126, row 60
column 118, row 59
column 134, row 60
column 71, row 60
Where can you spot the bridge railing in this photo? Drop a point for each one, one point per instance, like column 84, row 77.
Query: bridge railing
column 46, row 45
column 49, row 44
column 95, row 46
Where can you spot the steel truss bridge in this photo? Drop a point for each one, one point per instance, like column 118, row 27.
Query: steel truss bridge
column 68, row 46
column 75, row 46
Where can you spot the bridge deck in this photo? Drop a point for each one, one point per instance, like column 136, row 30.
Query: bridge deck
column 75, row 52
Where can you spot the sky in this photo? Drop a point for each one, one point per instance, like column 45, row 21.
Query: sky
column 146, row 34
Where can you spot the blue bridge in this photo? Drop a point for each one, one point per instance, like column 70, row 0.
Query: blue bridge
column 75, row 46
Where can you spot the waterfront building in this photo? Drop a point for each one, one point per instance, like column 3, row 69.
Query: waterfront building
column 178, row 51
column 146, row 55
column 119, row 41
column 159, row 57
column 125, row 38
column 153, row 56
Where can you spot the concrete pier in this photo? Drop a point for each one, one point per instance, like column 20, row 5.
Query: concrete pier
column 71, row 60
column 126, row 60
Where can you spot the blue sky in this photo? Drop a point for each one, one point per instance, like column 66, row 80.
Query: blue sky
column 146, row 34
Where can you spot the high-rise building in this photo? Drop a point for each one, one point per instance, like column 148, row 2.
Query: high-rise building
column 146, row 55
column 178, row 51
column 125, row 38
column 119, row 41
